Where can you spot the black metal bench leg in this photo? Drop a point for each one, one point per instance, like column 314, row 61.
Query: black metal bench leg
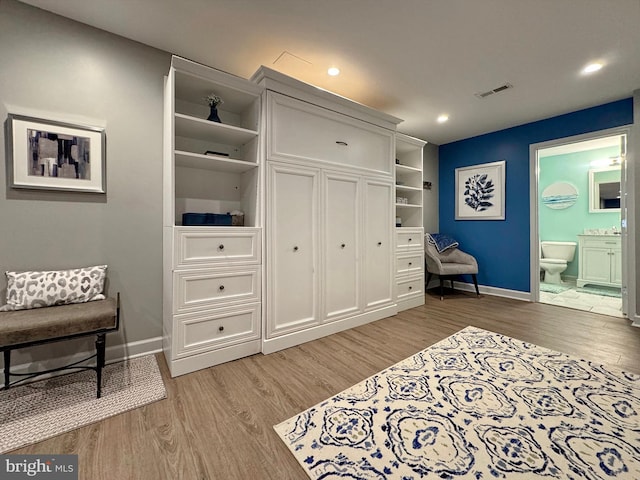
column 441, row 291
column 475, row 283
column 7, row 366
column 100, row 347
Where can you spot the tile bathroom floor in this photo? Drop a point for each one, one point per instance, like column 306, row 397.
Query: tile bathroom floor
column 571, row 298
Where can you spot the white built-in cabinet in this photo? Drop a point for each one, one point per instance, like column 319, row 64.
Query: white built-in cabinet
column 212, row 276
column 600, row 260
column 409, row 274
column 316, row 177
column 329, row 228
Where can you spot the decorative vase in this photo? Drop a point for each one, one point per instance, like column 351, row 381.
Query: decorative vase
column 213, row 114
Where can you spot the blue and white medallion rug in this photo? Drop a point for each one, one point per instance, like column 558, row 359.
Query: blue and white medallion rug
column 477, row 405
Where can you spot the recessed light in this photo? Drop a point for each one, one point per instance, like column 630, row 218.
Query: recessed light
column 592, row 67
column 443, row 118
column 333, row 71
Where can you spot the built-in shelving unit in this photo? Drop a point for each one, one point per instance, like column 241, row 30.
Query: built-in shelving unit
column 409, row 229
column 212, row 274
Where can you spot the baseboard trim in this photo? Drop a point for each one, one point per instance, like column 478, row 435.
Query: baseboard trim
column 23, row 361
column 487, row 290
column 271, row 345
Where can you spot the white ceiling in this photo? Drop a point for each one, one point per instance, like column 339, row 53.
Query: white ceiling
column 413, row 59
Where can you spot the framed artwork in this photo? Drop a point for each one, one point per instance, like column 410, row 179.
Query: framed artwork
column 50, row 155
column 480, row 192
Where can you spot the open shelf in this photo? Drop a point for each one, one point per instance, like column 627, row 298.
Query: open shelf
column 192, row 127
column 212, row 162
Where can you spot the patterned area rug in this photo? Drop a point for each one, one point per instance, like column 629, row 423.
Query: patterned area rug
column 477, row 405
column 40, row 410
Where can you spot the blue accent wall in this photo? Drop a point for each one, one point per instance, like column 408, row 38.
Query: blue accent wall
column 502, row 246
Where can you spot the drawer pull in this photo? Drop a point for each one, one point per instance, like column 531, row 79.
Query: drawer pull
column 344, row 144
column 295, row 249
column 221, row 247
column 221, row 328
column 410, row 263
column 343, row 245
column 379, row 243
column 410, row 287
column 221, row 287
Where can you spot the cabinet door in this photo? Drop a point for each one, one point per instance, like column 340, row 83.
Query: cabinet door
column 616, row 266
column 292, row 268
column 341, row 245
column 597, row 264
column 378, row 244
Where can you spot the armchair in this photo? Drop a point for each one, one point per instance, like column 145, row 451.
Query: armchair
column 449, row 264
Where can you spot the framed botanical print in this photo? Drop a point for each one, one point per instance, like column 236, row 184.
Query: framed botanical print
column 480, row 192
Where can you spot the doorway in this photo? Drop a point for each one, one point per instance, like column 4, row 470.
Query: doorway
column 578, row 222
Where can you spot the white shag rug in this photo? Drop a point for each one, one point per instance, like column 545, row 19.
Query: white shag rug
column 36, row 411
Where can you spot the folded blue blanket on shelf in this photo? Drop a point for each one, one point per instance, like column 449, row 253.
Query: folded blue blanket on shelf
column 442, row 242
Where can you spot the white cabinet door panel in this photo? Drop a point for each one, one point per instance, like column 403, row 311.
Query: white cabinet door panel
column 341, row 245
column 378, row 244
column 292, row 280
column 300, row 130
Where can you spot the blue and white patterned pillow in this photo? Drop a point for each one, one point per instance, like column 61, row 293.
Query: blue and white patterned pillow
column 27, row 290
column 441, row 242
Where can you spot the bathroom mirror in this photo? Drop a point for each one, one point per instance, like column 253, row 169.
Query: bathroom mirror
column 604, row 189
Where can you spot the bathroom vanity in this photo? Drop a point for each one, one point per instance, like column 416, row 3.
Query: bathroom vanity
column 600, row 261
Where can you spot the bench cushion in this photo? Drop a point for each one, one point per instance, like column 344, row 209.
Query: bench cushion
column 26, row 326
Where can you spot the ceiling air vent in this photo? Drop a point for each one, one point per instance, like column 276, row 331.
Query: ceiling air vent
column 499, row 89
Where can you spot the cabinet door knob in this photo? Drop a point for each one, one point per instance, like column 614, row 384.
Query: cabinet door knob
column 410, row 287
column 221, row 328
column 221, row 287
column 343, row 245
column 410, row 263
column 221, row 247
column 409, row 239
column 295, row 249
column 344, row 144
column 379, row 243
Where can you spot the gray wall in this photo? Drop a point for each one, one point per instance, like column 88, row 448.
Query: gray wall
column 430, row 174
column 56, row 68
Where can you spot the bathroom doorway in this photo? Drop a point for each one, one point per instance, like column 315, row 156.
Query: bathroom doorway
column 578, row 222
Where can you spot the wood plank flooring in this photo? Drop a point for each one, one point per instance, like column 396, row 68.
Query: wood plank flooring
column 217, row 423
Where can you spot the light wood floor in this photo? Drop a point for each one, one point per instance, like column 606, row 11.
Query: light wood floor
column 217, row 423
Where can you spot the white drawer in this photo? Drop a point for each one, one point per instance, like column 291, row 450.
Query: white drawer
column 602, row 242
column 409, row 263
column 409, row 239
column 202, row 331
column 300, row 130
column 409, row 287
column 198, row 289
column 201, row 246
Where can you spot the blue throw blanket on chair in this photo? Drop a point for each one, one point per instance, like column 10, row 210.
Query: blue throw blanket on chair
column 441, row 242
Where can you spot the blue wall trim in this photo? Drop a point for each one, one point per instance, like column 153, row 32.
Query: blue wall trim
column 502, row 247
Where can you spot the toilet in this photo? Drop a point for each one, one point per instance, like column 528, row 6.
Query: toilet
column 555, row 257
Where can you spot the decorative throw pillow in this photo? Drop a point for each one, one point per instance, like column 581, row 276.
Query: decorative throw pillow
column 44, row 289
column 442, row 242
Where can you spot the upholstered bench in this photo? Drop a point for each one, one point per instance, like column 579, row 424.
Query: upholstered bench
column 26, row 328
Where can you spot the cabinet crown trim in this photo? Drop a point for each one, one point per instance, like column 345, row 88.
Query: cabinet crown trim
column 278, row 82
